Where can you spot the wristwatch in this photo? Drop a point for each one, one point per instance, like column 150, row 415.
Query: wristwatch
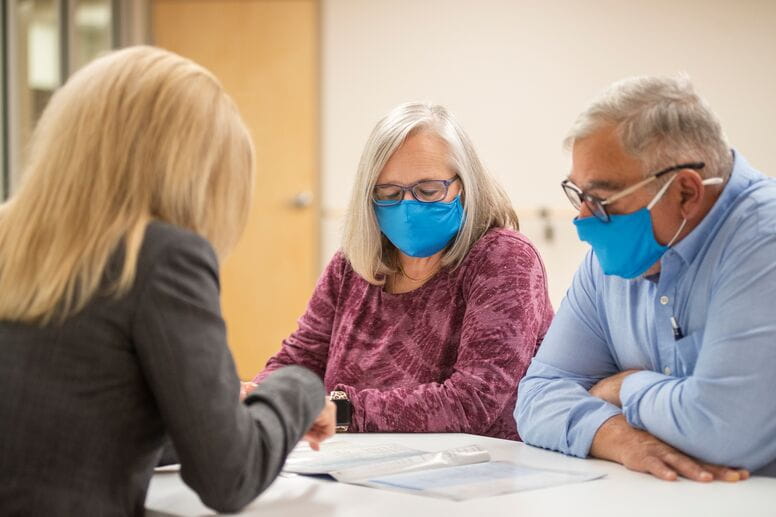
column 344, row 410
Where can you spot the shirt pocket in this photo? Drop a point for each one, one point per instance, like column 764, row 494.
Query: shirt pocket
column 687, row 350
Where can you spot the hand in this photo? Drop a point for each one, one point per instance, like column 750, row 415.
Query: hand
column 608, row 389
column 246, row 387
column 323, row 427
column 642, row 452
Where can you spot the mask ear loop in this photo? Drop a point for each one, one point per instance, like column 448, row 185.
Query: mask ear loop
column 660, row 193
column 709, row 181
column 681, row 227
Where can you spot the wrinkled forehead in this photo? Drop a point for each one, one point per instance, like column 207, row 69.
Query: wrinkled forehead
column 422, row 156
column 599, row 163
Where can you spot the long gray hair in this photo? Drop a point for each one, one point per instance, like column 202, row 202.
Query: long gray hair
column 485, row 203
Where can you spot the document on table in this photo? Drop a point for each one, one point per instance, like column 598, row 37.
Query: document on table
column 174, row 467
column 460, row 473
column 479, row 480
column 352, row 463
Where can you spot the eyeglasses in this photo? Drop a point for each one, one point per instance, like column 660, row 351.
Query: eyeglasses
column 597, row 205
column 426, row 191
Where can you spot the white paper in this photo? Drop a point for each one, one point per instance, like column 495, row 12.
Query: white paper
column 421, row 462
column 173, row 467
column 338, row 456
column 354, row 463
column 478, row 480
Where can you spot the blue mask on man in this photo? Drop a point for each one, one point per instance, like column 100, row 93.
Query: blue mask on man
column 626, row 245
column 420, row 229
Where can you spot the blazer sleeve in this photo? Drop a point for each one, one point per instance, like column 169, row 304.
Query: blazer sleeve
column 229, row 451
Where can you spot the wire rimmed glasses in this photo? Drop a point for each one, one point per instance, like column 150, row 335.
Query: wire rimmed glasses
column 425, row 191
column 598, row 205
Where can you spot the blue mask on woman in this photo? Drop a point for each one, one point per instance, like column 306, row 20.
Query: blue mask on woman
column 420, row 229
column 626, row 245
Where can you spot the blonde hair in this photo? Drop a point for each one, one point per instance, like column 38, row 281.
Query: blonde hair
column 136, row 135
column 486, row 205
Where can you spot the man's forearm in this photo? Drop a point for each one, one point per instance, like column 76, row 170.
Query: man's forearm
column 610, row 438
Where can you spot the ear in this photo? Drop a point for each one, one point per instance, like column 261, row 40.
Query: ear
column 691, row 192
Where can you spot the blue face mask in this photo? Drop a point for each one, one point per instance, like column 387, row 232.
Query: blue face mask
column 626, row 245
column 420, row 229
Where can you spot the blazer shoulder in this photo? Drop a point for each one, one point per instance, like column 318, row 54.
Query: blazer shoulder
column 160, row 236
column 163, row 239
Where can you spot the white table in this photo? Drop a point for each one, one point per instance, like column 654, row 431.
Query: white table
column 621, row 493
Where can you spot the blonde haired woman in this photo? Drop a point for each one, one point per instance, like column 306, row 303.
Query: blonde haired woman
column 110, row 328
column 429, row 316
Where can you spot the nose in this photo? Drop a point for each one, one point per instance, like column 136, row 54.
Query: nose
column 407, row 195
column 584, row 211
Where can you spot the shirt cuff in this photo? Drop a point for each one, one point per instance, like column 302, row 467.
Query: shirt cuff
column 632, row 390
column 580, row 438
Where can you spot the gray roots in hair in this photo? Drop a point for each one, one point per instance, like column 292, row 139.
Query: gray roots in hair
column 661, row 121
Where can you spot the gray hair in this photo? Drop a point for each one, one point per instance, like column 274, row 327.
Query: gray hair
column 485, row 203
column 662, row 122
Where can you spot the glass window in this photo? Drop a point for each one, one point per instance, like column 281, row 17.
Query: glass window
column 42, row 51
column 3, row 109
column 35, row 57
column 92, row 31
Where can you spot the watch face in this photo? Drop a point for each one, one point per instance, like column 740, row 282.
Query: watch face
column 343, row 411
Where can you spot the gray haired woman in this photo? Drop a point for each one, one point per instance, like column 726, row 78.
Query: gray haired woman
column 427, row 318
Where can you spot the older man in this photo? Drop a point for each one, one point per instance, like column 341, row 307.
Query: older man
column 663, row 354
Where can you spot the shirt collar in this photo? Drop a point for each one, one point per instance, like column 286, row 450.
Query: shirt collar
column 740, row 178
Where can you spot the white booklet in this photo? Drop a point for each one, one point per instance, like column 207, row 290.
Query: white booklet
column 354, row 463
column 458, row 474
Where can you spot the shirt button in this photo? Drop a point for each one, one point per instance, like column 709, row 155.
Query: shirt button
column 664, row 300
column 667, row 370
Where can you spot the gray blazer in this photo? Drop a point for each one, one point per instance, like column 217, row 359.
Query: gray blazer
column 85, row 405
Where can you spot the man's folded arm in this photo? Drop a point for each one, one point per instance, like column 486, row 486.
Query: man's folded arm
column 554, row 409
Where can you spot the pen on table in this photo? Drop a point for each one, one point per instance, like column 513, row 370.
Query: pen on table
column 678, row 334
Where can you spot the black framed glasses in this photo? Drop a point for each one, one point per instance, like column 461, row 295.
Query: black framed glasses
column 598, row 205
column 426, row 191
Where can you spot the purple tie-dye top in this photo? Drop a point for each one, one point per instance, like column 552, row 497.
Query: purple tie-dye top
column 446, row 357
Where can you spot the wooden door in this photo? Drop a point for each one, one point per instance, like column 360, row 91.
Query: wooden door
column 265, row 52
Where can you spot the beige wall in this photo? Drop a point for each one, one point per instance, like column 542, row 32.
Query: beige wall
column 516, row 73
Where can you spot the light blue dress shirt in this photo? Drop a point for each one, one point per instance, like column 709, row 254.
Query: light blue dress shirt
column 712, row 393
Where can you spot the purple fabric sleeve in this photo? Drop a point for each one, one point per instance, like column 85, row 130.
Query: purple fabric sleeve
column 446, row 357
column 309, row 345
